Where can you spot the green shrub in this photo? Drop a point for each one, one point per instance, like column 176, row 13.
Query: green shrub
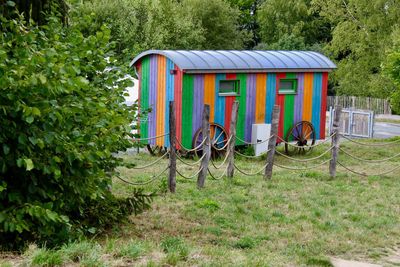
column 62, row 118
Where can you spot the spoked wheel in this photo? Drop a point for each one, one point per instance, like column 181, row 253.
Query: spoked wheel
column 156, row 150
column 302, row 135
column 218, row 137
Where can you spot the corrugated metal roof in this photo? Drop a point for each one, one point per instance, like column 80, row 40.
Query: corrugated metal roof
column 196, row 61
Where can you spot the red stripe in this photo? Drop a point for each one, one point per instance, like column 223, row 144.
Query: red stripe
column 280, row 100
column 228, row 104
column 178, row 104
column 324, row 94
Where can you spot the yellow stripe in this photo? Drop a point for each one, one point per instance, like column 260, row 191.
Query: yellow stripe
column 307, row 100
column 209, row 93
column 261, row 81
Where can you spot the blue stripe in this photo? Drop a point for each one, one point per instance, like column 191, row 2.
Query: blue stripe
column 271, row 95
column 169, row 96
column 316, row 103
column 219, row 114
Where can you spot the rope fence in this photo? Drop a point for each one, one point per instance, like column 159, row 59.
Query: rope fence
column 206, row 165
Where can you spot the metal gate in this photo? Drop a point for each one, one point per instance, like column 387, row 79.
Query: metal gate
column 357, row 123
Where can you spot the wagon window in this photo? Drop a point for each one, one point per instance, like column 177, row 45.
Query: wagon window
column 288, row 86
column 229, row 87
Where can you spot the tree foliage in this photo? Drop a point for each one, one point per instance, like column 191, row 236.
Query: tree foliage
column 360, row 38
column 138, row 25
column 62, row 118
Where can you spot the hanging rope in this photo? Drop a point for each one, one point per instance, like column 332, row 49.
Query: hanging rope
column 153, row 163
column 219, row 177
column 315, row 145
column 193, row 149
column 371, row 144
column 189, row 177
column 368, row 160
column 252, row 157
column 250, row 174
column 301, row 169
column 143, row 183
column 223, row 162
column 304, row 160
column 364, row 174
column 190, row 164
column 249, row 143
column 149, row 138
column 222, row 148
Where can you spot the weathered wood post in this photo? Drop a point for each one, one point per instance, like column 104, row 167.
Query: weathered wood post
column 205, row 129
column 172, row 147
column 272, row 142
column 232, row 138
column 335, row 140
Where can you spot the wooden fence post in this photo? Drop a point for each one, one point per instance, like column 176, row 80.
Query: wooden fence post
column 232, row 138
column 272, row 142
column 172, row 147
column 335, row 141
column 205, row 127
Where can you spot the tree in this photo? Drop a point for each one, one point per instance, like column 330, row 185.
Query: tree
column 62, row 118
column 284, row 20
column 361, row 34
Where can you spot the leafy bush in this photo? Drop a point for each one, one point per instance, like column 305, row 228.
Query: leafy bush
column 62, row 117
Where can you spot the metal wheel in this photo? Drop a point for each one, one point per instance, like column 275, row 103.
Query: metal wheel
column 301, row 134
column 156, row 150
column 218, row 137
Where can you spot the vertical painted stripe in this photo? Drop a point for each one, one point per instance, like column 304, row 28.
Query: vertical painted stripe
column 280, row 100
column 240, row 128
column 219, row 116
column 307, row 100
column 197, row 103
column 250, row 104
column 209, row 93
column 187, row 109
column 138, row 67
column 298, row 101
column 169, row 96
column 270, row 97
column 228, row 104
column 153, row 98
column 289, row 108
column 178, row 104
column 323, row 105
column 160, row 118
column 261, row 81
column 144, row 98
column 316, row 103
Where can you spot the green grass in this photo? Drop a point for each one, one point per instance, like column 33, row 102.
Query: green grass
column 296, row 218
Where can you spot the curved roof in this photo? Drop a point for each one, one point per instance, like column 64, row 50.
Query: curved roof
column 205, row 61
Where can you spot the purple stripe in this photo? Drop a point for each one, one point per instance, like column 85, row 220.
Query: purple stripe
column 298, row 100
column 198, row 101
column 250, row 105
column 153, row 98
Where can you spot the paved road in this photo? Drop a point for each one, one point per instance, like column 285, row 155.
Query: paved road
column 386, row 130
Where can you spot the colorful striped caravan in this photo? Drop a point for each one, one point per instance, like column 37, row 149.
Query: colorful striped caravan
column 162, row 78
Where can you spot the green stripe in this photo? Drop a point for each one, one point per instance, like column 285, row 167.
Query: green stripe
column 144, row 97
column 187, row 110
column 242, row 108
column 289, row 108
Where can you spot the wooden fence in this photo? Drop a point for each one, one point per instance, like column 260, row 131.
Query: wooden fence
column 378, row 105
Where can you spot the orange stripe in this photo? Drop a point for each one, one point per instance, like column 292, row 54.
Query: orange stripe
column 307, row 100
column 160, row 99
column 209, row 93
column 261, row 81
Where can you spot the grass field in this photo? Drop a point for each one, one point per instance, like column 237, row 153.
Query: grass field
column 299, row 218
